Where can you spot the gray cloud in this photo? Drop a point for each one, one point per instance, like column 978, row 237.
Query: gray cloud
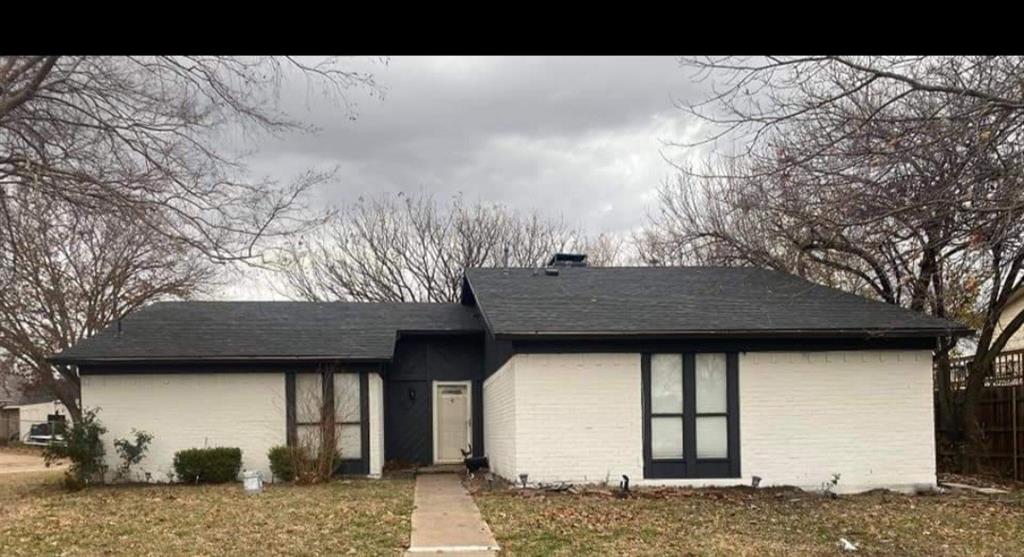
column 576, row 137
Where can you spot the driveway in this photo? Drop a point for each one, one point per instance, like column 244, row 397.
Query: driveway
column 16, row 463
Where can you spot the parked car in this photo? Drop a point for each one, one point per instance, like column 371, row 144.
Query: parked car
column 44, row 434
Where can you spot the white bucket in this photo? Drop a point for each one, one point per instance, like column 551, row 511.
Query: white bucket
column 252, row 481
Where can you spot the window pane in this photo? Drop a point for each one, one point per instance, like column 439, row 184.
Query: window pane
column 346, row 397
column 308, row 397
column 666, row 383
column 666, row 438
column 710, row 378
column 309, row 438
column 712, row 437
column 349, row 439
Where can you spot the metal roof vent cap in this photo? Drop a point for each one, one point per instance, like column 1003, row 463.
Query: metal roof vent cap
column 568, row 260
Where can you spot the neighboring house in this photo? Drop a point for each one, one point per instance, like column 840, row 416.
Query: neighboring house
column 9, row 424
column 36, row 412
column 1013, row 307
column 674, row 376
column 21, row 407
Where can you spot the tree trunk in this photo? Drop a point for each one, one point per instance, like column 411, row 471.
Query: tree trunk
column 65, row 387
column 973, row 436
column 949, row 424
column 74, row 410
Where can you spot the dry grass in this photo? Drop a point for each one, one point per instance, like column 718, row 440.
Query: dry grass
column 747, row 522
column 364, row 517
column 29, row 450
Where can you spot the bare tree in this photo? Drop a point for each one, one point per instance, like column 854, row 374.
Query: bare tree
column 116, row 183
column 413, row 249
column 609, row 249
column 68, row 273
column 899, row 178
column 140, row 136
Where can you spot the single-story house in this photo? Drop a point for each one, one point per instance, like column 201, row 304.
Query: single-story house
column 668, row 375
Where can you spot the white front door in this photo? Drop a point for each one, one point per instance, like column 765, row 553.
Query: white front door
column 451, row 421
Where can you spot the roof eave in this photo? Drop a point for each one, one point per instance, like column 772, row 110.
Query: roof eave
column 209, row 359
column 787, row 333
column 479, row 306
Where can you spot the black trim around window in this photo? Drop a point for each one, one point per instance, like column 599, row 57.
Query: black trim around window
column 345, row 466
column 690, row 466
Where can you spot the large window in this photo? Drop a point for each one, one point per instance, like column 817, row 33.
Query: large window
column 691, row 418
column 327, row 402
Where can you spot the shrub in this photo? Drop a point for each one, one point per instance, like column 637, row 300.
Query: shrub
column 83, row 446
column 303, row 465
column 282, row 462
column 132, row 453
column 213, row 465
column 312, row 464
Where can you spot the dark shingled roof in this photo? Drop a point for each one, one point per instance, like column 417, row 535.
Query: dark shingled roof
column 612, row 301
column 679, row 301
column 267, row 330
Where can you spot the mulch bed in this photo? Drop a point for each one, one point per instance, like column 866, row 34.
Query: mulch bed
column 747, row 521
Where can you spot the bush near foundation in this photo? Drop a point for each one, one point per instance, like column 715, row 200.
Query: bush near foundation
column 83, row 446
column 282, row 462
column 213, row 465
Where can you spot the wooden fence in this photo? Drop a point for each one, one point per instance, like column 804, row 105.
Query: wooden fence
column 1000, row 412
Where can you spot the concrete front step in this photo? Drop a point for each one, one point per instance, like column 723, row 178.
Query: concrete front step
column 442, row 469
column 460, row 551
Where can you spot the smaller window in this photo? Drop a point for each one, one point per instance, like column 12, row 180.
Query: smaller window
column 712, row 430
column 309, row 398
column 667, row 407
column 349, row 440
column 348, row 429
column 711, row 381
column 667, row 384
column 712, row 437
column 666, row 438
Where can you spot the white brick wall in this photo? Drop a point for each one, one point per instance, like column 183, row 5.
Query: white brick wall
column 245, row 410
column 866, row 415
column 576, row 418
column 500, row 420
column 376, row 393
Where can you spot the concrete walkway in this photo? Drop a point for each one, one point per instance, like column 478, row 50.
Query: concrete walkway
column 445, row 519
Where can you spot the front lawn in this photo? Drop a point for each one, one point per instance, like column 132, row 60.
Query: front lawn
column 742, row 521
column 347, row 516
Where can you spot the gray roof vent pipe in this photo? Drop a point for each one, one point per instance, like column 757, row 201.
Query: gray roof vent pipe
column 568, row 260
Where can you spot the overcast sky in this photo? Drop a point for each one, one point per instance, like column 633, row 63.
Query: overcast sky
column 577, row 137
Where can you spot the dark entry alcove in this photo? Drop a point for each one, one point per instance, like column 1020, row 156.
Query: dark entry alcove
column 421, row 359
